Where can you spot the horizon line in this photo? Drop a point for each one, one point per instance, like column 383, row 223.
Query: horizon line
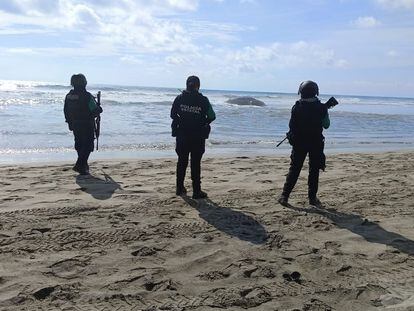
column 207, row 89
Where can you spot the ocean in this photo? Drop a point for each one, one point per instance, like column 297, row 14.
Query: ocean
column 136, row 123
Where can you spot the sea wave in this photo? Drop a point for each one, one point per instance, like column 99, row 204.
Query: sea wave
column 349, row 100
column 371, row 115
column 10, row 151
column 19, row 101
column 239, row 142
column 171, row 94
column 111, row 88
column 52, row 87
column 160, row 146
column 31, row 133
column 133, row 103
column 13, row 85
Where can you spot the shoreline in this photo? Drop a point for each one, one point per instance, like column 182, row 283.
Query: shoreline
column 170, row 154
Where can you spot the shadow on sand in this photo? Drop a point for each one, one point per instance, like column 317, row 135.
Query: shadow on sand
column 369, row 230
column 100, row 189
column 231, row 222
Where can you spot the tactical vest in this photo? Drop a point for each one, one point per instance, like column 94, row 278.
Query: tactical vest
column 76, row 106
column 192, row 111
column 306, row 121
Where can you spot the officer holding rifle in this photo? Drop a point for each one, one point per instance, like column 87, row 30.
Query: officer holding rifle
column 308, row 119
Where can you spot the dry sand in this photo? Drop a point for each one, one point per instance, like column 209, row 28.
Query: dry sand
column 121, row 240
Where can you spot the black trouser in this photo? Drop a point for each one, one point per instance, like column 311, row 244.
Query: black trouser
column 316, row 162
column 84, row 132
column 186, row 145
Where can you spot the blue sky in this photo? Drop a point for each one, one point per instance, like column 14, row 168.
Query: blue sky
column 363, row 47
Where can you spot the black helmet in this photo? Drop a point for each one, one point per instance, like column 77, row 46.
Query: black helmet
column 308, row 89
column 78, row 81
column 193, row 83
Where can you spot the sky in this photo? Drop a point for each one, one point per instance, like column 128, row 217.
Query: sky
column 349, row 47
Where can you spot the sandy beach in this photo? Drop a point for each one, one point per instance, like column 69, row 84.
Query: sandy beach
column 121, row 240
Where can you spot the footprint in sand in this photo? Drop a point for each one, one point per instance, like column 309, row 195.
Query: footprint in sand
column 213, row 275
column 145, row 251
column 332, row 245
column 69, row 268
column 16, row 198
column 266, row 181
column 41, row 230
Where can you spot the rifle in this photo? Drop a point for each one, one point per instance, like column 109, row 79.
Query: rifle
column 332, row 102
column 98, row 121
column 281, row 141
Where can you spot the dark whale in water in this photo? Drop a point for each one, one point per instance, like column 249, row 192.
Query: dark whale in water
column 246, row 101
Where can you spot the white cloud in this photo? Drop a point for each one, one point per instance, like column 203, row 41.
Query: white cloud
column 129, row 59
column 24, row 51
column 392, row 53
column 366, row 22
column 184, row 4
column 241, row 1
column 123, row 27
column 175, row 60
column 341, row 63
column 83, row 51
column 219, row 32
column 129, row 26
column 83, row 16
column 278, row 55
column 124, row 24
column 396, row 4
column 13, row 31
column 150, row 33
column 10, row 6
column 30, row 7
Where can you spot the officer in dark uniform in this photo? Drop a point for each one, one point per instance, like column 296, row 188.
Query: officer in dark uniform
column 80, row 111
column 308, row 119
column 192, row 114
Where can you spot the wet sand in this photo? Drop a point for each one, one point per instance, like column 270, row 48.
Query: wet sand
column 121, row 240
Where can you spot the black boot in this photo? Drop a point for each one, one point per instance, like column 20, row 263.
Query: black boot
column 181, row 168
column 180, row 190
column 197, row 193
column 283, row 200
column 315, row 202
column 76, row 168
column 83, row 162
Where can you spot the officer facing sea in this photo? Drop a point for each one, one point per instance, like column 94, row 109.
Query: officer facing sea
column 308, row 119
column 192, row 114
column 80, row 111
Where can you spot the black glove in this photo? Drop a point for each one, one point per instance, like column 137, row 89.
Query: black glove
column 174, row 128
column 332, row 102
column 290, row 137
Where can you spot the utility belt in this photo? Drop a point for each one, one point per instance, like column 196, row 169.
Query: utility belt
column 295, row 139
column 176, row 130
column 315, row 145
